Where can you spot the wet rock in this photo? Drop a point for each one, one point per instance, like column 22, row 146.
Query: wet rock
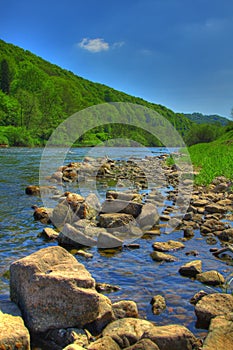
column 144, row 344
column 74, row 347
column 212, row 305
column 226, row 235
column 220, row 335
column 172, row 337
column 105, row 287
column 121, row 206
column 158, row 304
column 50, row 233
column 84, row 254
column 211, row 278
column 47, row 284
column 107, row 240
column 104, row 344
column 74, row 237
column 62, row 214
column 188, row 232
column 159, row 256
column 191, row 269
column 59, row 338
column 148, row 217
column 125, row 308
column 167, row 246
column 42, row 214
column 200, row 202
column 115, row 220
column 13, row 333
column 192, row 252
column 194, row 300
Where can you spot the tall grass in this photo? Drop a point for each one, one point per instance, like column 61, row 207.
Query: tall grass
column 213, row 159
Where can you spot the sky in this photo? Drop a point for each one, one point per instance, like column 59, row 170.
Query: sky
column 177, row 53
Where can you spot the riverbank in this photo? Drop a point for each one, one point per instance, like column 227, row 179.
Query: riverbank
column 197, row 230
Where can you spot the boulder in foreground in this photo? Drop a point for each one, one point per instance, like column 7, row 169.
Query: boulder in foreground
column 54, row 291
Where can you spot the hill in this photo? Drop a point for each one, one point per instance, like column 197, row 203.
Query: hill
column 200, row 118
column 36, row 96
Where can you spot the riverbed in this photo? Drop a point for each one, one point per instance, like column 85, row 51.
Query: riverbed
column 133, row 270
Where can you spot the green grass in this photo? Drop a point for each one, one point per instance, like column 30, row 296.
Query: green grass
column 213, row 159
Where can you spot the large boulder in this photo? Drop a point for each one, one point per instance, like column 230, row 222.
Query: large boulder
column 115, row 220
column 220, row 335
column 74, row 237
column 149, row 217
column 172, row 337
column 212, row 305
column 13, row 333
column 54, row 291
column 104, row 343
column 144, row 344
column 121, row 206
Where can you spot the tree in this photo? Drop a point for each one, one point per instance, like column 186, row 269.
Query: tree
column 5, row 77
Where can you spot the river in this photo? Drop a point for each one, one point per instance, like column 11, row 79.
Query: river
column 139, row 277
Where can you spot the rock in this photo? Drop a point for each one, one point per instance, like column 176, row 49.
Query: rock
column 212, row 278
column 74, row 237
column 115, row 220
column 188, row 232
column 149, row 217
column 62, row 214
column 105, row 316
column 105, row 343
column 194, row 300
column 32, row 190
column 158, row 304
column 84, row 254
column 159, row 256
column 167, row 246
column 172, row 337
column 107, row 240
column 191, row 269
column 215, row 208
column 105, row 287
column 143, row 344
column 59, row 338
column 126, row 196
column 50, row 233
column 13, row 333
column 127, row 331
column 121, row 206
column 200, row 202
column 74, row 347
column 212, row 305
column 125, row 308
column 220, row 335
column 226, row 235
column 93, row 206
column 53, row 290
column 42, row 214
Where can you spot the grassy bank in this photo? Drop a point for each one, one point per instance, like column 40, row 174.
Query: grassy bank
column 213, row 159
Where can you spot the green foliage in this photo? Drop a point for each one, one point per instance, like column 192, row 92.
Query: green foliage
column 202, row 133
column 5, row 77
column 199, row 118
column 213, row 159
column 38, row 96
column 16, row 136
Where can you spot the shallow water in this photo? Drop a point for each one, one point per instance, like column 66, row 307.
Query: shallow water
column 139, row 277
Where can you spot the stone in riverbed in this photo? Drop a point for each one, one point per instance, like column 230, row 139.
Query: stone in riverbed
column 212, row 305
column 104, row 343
column 115, row 220
column 167, row 246
column 13, row 333
column 50, row 233
column 215, row 208
column 158, row 304
column 125, row 308
column 42, row 214
column 107, row 240
column 143, row 344
column 149, row 217
column 74, row 237
column 159, row 256
column 53, row 290
column 191, row 269
column 126, row 196
column 220, row 335
column 121, row 206
column 212, row 278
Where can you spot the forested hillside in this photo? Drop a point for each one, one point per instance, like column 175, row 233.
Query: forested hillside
column 36, row 96
column 200, row 118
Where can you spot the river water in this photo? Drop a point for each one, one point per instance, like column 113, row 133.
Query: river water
column 133, row 270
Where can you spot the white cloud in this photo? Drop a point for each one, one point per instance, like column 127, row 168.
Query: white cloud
column 98, row 45
column 94, row 45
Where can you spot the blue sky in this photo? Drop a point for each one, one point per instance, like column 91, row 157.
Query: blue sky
column 177, row 53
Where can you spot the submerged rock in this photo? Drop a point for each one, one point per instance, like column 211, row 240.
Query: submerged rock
column 159, row 256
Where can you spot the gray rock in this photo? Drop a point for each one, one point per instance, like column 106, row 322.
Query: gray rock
column 13, row 333
column 72, row 236
column 53, row 290
column 126, row 196
column 50, row 233
column 149, row 217
column 107, row 240
column 115, row 220
column 121, row 206
column 212, row 305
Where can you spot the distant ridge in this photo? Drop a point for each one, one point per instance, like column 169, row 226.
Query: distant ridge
column 200, row 118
